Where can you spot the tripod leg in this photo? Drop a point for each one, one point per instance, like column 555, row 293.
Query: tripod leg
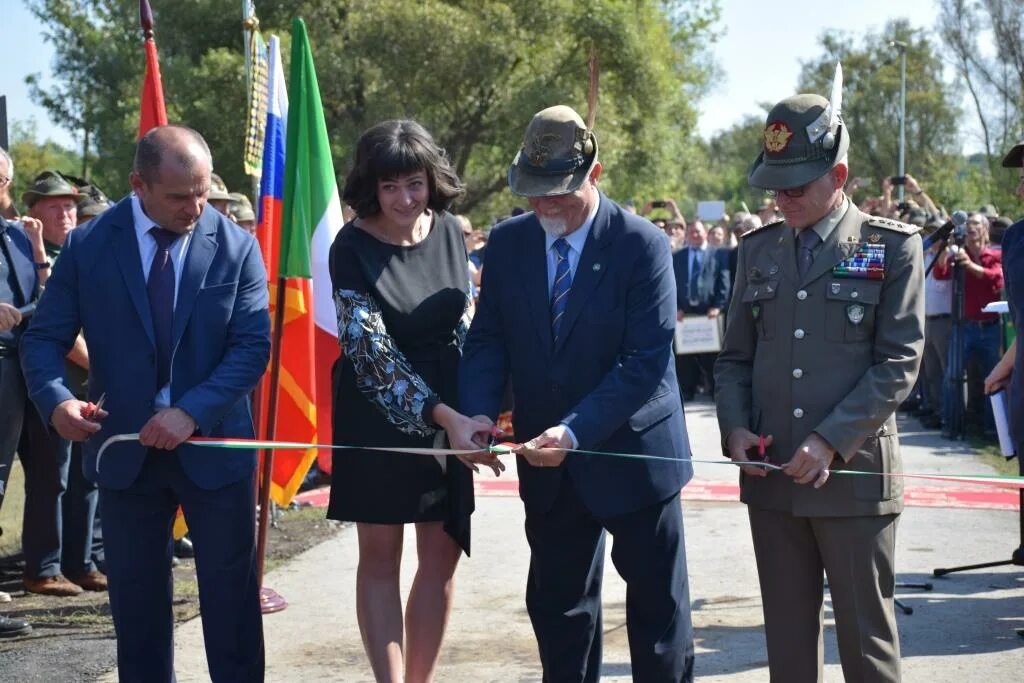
column 906, row 609
column 969, row 567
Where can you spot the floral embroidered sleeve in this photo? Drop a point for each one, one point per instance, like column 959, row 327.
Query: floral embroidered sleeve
column 462, row 328
column 383, row 374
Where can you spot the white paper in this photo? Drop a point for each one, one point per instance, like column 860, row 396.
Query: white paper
column 697, row 333
column 1002, row 422
column 710, row 211
column 996, row 307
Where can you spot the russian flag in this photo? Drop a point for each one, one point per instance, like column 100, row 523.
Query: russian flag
column 271, row 201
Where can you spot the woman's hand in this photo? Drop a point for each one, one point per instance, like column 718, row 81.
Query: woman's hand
column 469, row 434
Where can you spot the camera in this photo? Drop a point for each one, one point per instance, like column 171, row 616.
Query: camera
column 658, row 204
column 898, row 180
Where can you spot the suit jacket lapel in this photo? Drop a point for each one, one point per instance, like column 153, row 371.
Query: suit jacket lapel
column 197, row 262
column 126, row 251
column 535, row 281
column 838, row 246
column 589, row 271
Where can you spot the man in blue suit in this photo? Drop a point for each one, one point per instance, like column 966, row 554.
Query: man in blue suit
column 702, row 288
column 577, row 310
column 172, row 298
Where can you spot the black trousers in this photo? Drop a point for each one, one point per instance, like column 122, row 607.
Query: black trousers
column 563, row 593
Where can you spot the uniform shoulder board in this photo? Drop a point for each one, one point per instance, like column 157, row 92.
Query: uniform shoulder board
column 895, row 226
column 763, row 228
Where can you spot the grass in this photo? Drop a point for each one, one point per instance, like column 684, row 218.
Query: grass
column 992, row 456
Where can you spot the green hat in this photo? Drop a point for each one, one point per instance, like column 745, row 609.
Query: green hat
column 241, row 208
column 798, row 144
column 557, row 155
column 218, row 190
column 94, row 202
column 804, row 137
column 49, row 184
column 1015, row 157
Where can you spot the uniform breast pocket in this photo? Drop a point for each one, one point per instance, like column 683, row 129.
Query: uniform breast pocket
column 760, row 299
column 851, row 309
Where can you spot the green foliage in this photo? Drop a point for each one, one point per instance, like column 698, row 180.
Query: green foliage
column 473, row 72
column 31, row 157
column 871, row 99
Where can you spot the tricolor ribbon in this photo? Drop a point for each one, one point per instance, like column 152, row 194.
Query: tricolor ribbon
column 507, row 448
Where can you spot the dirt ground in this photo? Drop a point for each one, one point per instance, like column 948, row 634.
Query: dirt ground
column 73, row 638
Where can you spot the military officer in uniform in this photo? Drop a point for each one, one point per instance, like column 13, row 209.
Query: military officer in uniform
column 824, row 340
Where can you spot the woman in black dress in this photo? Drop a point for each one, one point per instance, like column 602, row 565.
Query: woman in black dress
column 400, row 285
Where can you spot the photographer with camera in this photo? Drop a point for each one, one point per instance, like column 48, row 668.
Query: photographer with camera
column 979, row 331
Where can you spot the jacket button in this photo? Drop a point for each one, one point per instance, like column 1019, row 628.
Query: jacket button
column 798, row 373
column 798, row 413
column 802, row 294
column 798, row 333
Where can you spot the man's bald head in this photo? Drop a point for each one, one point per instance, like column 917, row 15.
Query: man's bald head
column 178, row 145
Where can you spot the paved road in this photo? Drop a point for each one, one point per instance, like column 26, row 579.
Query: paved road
column 960, row 631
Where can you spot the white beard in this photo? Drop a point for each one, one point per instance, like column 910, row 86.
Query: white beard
column 553, row 226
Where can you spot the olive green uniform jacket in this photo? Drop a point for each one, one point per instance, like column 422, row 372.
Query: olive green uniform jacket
column 828, row 354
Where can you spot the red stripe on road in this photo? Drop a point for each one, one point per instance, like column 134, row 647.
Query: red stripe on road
column 706, row 490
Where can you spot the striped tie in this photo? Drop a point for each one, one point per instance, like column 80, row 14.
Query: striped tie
column 560, row 290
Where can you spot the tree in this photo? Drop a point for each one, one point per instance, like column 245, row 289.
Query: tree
column 31, row 157
column 970, row 29
column 871, row 102
column 472, row 72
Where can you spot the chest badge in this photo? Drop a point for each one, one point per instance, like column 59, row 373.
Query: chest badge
column 855, row 313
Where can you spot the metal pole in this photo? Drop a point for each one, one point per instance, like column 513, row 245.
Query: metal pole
column 901, row 170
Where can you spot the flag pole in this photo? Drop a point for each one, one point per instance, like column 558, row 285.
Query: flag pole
column 270, row 600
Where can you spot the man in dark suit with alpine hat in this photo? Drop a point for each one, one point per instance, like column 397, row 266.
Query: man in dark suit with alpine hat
column 578, row 311
column 824, row 340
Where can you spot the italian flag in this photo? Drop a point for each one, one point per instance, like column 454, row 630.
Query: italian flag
column 310, row 218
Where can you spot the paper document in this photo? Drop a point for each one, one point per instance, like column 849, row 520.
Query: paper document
column 1002, row 422
column 698, row 333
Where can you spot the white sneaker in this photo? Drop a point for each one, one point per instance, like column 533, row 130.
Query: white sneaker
column 5, row 597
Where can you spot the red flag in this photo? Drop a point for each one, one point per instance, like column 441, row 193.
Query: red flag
column 152, row 112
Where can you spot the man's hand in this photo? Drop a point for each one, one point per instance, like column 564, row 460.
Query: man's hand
column 999, row 378
column 167, row 429
column 714, row 312
column 737, row 443
column 547, row 449
column 10, row 317
column 76, row 420
column 468, row 434
column 811, row 461
column 680, row 315
column 34, row 232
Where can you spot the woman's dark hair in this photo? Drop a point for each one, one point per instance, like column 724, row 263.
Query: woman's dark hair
column 393, row 148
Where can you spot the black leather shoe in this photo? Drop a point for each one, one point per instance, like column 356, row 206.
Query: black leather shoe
column 11, row 628
column 183, row 548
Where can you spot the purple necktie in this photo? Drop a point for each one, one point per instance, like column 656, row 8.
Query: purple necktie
column 160, row 287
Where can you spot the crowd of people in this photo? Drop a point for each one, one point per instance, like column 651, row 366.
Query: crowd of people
column 151, row 318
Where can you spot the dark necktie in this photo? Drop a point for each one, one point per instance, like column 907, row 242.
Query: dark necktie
column 695, row 269
column 560, row 290
column 160, row 287
column 807, row 239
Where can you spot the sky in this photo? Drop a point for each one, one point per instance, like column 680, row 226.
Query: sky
column 759, row 53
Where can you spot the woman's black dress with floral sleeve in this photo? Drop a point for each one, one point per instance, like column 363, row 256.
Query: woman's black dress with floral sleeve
column 402, row 316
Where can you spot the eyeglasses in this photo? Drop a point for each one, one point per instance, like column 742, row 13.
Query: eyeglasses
column 792, row 193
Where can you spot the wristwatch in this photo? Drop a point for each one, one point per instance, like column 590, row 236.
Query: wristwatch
column 44, row 265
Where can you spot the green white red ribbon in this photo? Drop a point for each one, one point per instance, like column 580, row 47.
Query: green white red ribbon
column 1002, row 481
